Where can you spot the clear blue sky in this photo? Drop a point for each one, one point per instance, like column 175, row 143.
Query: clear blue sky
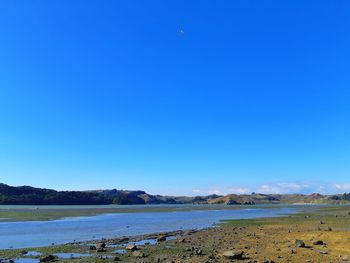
column 177, row 97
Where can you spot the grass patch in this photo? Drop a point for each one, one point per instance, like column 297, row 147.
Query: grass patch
column 311, row 214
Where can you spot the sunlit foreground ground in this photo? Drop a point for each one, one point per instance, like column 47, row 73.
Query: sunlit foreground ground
column 260, row 240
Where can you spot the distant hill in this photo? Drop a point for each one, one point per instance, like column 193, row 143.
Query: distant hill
column 26, row 195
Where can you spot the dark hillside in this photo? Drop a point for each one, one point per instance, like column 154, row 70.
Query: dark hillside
column 26, row 195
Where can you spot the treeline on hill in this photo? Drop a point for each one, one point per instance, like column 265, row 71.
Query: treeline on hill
column 26, row 195
column 344, row 197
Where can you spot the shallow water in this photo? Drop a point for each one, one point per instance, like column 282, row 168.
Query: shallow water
column 26, row 260
column 120, row 251
column 44, row 233
column 32, row 254
column 142, row 242
column 71, row 255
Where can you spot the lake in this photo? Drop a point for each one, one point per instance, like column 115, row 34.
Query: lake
column 44, row 233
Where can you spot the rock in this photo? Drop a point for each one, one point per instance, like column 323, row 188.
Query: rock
column 318, row 243
column 160, row 259
column 101, row 245
column 116, row 259
column 138, row 254
column 323, row 252
column 131, row 247
column 161, row 238
column 232, row 254
column 92, row 248
column 49, row 258
column 198, row 252
column 299, row 243
column 100, row 250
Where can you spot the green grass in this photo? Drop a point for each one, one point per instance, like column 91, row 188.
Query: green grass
column 310, row 213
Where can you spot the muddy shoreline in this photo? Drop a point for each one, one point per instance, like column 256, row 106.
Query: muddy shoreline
column 320, row 235
column 136, row 238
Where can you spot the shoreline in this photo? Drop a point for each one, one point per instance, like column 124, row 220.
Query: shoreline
column 51, row 213
column 260, row 239
column 112, row 227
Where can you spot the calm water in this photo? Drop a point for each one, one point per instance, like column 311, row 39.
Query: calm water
column 44, row 233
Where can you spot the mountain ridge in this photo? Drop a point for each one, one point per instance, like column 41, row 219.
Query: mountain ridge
column 28, row 195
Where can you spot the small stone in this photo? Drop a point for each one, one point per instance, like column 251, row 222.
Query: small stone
column 299, row 243
column 198, row 252
column 100, row 249
column 318, row 243
column 92, row 248
column 138, row 254
column 131, row 247
column 232, row 254
column 161, row 238
column 49, row 258
column 102, row 245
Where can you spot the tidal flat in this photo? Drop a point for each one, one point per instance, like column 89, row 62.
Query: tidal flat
column 75, row 229
column 10, row 213
column 324, row 230
column 40, row 213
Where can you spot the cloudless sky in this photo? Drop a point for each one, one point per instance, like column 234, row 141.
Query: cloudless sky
column 176, row 97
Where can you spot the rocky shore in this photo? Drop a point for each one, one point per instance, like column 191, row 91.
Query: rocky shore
column 322, row 235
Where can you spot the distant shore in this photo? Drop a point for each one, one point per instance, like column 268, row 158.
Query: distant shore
column 27, row 195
